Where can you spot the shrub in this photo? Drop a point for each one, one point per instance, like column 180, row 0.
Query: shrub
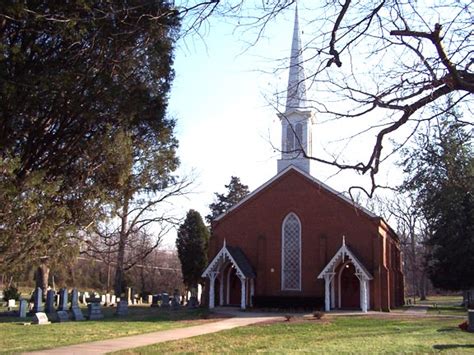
column 11, row 293
column 464, row 325
column 318, row 314
column 288, row 317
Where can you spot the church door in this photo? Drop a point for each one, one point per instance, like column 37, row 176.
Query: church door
column 350, row 287
column 234, row 288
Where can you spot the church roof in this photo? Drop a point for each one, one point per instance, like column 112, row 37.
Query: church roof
column 310, row 178
column 236, row 257
column 296, row 91
column 339, row 257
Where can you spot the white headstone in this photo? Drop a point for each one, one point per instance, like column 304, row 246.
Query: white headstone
column 11, row 303
column 40, row 318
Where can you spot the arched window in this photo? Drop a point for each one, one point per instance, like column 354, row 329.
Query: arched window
column 290, row 139
column 291, row 253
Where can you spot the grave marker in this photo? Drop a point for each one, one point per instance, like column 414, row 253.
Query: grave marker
column 122, row 308
column 62, row 299
column 165, row 300
column 49, row 308
column 38, row 301
column 94, row 311
column 62, row 316
column 75, row 309
column 470, row 319
column 23, row 308
column 40, row 318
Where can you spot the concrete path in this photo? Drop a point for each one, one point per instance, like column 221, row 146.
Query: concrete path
column 105, row 346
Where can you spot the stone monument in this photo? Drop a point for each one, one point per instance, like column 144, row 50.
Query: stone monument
column 122, row 309
column 38, row 300
column 23, row 308
column 62, row 306
column 165, row 300
column 94, row 311
column 49, row 307
column 75, row 309
column 470, row 319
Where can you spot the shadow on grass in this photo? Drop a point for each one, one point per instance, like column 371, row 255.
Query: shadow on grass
column 448, row 329
column 453, row 346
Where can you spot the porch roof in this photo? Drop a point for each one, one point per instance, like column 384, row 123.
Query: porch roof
column 236, row 257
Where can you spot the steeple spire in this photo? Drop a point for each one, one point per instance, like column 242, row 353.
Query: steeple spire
column 297, row 120
column 296, row 93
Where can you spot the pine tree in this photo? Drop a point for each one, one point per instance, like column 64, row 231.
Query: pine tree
column 192, row 244
column 440, row 172
column 236, row 191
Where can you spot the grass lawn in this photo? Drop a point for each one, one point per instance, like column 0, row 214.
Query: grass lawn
column 357, row 334
column 16, row 337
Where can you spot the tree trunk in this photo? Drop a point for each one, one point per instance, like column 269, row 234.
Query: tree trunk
column 423, row 287
column 119, row 286
column 42, row 274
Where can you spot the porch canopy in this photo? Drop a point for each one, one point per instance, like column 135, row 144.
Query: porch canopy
column 235, row 258
column 344, row 255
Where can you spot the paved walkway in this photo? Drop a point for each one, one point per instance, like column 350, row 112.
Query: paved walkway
column 105, row 346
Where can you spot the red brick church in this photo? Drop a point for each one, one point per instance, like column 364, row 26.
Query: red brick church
column 295, row 241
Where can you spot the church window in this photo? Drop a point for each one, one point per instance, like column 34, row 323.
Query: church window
column 299, row 135
column 291, row 253
column 290, row 139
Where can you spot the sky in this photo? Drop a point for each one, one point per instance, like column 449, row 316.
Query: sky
column 225, row 124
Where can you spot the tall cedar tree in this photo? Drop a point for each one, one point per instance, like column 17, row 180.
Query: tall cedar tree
column 73, row 77
column 236, row 191
column 192, row 244
column 441, row 173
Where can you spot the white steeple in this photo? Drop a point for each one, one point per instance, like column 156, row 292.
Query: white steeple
column 297, row 120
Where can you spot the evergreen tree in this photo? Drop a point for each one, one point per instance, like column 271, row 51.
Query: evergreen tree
column 74, row 77
column 192, row 244
column 441, row 173
column 236, row 191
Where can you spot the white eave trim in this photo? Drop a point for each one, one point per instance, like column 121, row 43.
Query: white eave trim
column 344, row 250
column 311, row 178
column 222, row 253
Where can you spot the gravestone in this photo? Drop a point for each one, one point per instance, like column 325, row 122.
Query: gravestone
column 62, row 316
column 40, row 318
column 113, row 300
column 156, row 300
column 49, row 307
column 23, row 308
column 11, row 303
column 56, row 299
column 74, row 298
column 470, row 319
column 107, row 299
column 150, row 299
column 128, row 294
column 175, row 300
column 84, row 297
column 165, row 300
column 122, row 308
column 193, row 302
column 62, row 306
column 75, row 309
column 102, row 300
column 38, row 300
column 94, row 311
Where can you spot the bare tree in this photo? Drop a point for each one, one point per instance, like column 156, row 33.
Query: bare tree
column 383, row 64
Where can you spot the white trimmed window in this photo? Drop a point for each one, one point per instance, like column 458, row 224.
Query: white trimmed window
column 291, row 253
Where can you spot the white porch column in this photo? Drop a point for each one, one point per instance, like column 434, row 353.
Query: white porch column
column 243, row 293
column 252, row 292
column 221, row 289
column 228, row 286
column 327, row 293
column 363, row 299
column 368, row 293
column 212, row 281
column 333, row 293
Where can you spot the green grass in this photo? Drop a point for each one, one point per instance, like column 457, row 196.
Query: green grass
column 16, row 337
column 333, row 335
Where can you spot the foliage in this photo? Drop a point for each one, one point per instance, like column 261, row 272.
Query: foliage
column 440, row 173
column 11, row 293
column 76, row 78
column 192, row 243
column 236, row 191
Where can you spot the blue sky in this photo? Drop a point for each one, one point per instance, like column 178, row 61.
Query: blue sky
column 225, row 125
